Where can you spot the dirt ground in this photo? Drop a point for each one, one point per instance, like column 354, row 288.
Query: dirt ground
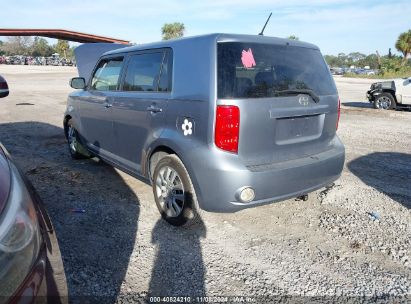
column 350, row 241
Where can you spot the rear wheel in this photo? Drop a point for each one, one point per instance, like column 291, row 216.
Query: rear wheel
column 76, row 149
column 384, row 101
column 174, row 192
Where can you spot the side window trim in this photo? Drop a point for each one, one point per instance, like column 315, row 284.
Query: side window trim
column 107, row 58
column 126, row 62
column 160, row 73
column 168, row 54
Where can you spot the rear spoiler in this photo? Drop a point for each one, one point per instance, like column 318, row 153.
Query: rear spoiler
column 88, row 54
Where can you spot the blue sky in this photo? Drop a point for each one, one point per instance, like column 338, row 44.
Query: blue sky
column 334, row 25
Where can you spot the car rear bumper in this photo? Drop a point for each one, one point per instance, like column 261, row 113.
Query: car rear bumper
column 222, row 177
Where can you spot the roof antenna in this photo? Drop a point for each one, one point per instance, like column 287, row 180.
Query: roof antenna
column 262, row 31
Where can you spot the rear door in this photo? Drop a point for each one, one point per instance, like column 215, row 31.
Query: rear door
column 406, row 91
column 95, row 105
column 279, row 121
column 139, row 108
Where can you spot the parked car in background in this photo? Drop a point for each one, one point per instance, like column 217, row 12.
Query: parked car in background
column 337, row 71
column 217, row 122
column 387, row 95
column 29, row 60
column 31, row 269
column 4, row 88
column 361, row 71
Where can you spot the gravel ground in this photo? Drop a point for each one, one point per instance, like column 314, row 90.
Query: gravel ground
column 351, row 240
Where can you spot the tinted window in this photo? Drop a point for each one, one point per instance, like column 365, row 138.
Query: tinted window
column 251, row 70
column 143, row 72
column 107, row 74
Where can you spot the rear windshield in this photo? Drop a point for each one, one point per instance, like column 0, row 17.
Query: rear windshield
column 252, row 70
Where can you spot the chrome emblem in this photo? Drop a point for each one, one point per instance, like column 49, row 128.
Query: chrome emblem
column 303, row 100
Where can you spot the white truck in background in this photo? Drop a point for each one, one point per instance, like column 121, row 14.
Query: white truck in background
column 387, row 95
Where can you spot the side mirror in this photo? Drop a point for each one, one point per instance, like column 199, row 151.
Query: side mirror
column 4, row 88
column 78, row 83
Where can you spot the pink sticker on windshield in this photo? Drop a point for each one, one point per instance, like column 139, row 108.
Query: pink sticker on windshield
column 247, row 59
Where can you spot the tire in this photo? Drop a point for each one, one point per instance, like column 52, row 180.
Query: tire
column 174, row 193
column 76, row 149
column 384, row 101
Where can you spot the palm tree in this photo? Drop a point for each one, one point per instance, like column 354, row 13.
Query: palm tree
column 403, row 44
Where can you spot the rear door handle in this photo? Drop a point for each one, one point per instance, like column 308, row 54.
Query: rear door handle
column 154, row 109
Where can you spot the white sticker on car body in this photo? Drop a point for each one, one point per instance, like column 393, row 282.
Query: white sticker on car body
column 187, row 127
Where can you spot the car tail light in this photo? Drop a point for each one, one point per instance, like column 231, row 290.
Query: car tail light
column 227, row 127
column 20, row 236
column 3, row 85
column 339, row 112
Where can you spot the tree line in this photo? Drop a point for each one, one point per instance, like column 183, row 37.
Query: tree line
column 40, row 47
column 352, row 59
column 388, row 63
column 36, row 47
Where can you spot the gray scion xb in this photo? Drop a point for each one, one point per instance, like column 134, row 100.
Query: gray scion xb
column 217, row 122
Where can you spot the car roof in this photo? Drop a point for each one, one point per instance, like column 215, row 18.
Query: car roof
column 213, row 38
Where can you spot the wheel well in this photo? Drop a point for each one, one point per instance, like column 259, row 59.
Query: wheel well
column 391, row 92
column 155, row 157
column 65, row 121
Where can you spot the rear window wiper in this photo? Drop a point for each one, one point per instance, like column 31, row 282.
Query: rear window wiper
column 314, row 96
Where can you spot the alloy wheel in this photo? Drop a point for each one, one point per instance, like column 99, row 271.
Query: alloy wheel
column 170, row 191
column 72, row 139
column 383, row 103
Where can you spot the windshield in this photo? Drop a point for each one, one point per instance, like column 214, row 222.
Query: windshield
column 253, row 70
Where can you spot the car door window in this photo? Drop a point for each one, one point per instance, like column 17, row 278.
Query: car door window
column 143, row 72
column 107, row 74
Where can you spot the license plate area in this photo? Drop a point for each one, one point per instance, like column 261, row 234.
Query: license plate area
column 291, row 130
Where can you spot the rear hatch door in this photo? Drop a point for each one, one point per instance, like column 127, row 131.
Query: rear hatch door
column 287, row 99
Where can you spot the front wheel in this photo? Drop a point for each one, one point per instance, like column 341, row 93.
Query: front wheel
column 384, row 101
column 76, row 149
column 174, row 192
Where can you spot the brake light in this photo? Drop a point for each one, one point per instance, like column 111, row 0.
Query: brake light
column 338, row 115
column 3, row 85
column 227, row 127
